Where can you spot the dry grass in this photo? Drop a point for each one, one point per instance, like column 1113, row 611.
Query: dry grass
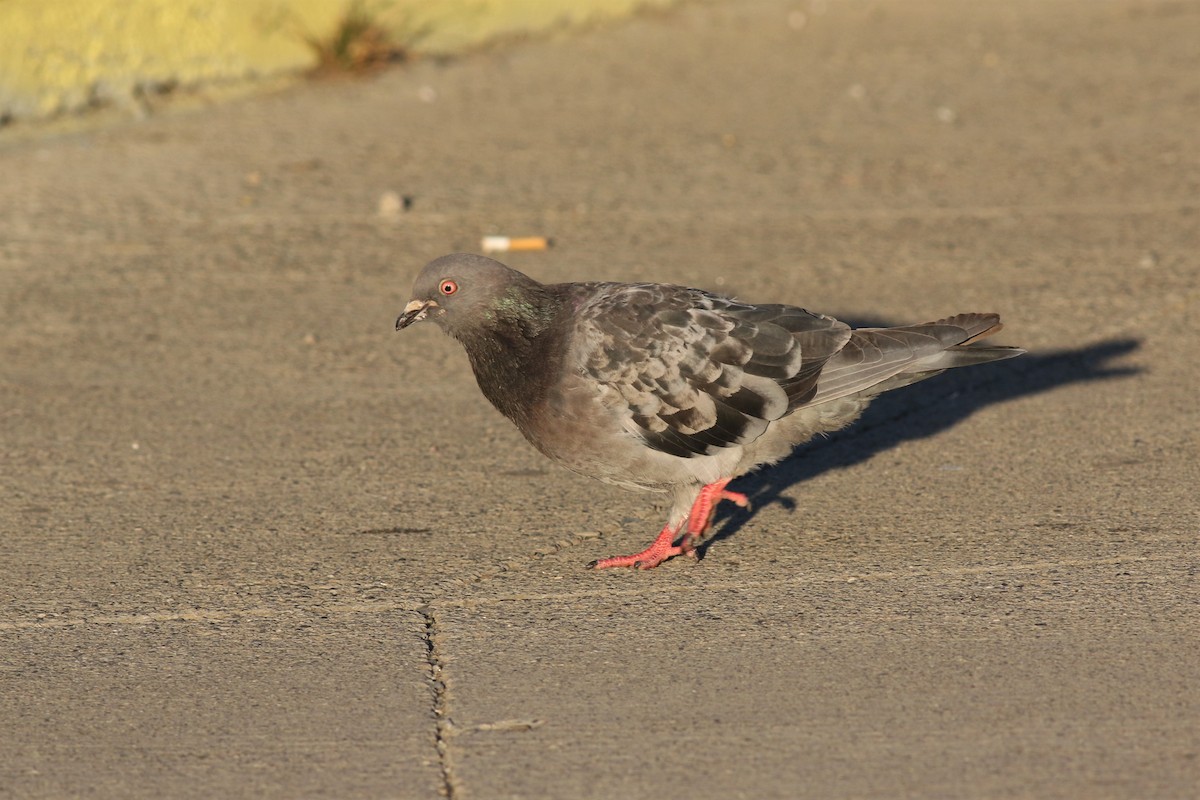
column 360, row 43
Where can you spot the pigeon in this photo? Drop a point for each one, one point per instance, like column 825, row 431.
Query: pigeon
column 668, row 389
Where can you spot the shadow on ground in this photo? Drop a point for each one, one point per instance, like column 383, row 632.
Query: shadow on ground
column 917, row 412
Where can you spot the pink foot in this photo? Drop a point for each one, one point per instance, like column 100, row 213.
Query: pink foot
column 664, row 547
column 700, row 517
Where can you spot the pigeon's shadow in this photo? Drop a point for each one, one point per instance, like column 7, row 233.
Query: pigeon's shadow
column 919, row 411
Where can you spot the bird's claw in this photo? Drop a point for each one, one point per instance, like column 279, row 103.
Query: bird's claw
column 662, row 549
column 693, row 527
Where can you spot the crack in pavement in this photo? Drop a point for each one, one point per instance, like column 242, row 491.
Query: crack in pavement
column 443, row 723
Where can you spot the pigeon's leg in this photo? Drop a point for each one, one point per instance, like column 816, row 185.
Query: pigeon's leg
column 664, row 547
column 700, row 517
column 693, row 527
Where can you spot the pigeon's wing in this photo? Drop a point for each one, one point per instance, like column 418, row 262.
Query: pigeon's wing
column 691, row 373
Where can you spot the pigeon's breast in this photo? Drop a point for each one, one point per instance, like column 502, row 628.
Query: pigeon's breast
column 577, row 426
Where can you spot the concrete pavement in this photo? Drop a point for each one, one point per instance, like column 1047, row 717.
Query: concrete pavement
column 256, row 544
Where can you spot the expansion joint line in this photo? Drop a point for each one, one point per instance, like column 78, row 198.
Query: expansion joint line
column 443, row 724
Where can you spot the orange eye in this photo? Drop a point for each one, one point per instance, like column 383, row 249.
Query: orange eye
column 448, row 287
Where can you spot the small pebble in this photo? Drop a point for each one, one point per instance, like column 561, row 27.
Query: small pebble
column 390, row 204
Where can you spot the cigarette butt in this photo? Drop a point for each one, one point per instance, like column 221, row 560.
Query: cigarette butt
column 508, row 244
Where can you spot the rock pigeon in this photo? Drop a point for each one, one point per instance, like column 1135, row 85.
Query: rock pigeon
column 670, row 389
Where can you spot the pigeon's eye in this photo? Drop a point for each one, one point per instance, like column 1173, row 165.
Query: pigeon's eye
column 448, row 287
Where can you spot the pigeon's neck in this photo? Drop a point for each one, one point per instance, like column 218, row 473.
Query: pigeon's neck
column 513, row 354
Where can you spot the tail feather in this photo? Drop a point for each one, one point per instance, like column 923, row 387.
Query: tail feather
column 961, row 356
column 880, row 359
column 977, row 326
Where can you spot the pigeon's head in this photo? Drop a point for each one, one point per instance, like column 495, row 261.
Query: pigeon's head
column 463, row 291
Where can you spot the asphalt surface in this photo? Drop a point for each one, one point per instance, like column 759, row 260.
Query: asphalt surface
column 255, row 544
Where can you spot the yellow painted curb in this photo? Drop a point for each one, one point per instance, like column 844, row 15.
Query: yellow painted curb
column 59, row 56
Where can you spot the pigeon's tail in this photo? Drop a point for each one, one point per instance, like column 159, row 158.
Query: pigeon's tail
column 962, row 353
column 876, row 360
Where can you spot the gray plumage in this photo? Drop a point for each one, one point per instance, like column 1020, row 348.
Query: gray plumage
column 666, row 388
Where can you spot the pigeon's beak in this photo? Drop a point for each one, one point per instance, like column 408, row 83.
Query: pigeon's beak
column 415, row 311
